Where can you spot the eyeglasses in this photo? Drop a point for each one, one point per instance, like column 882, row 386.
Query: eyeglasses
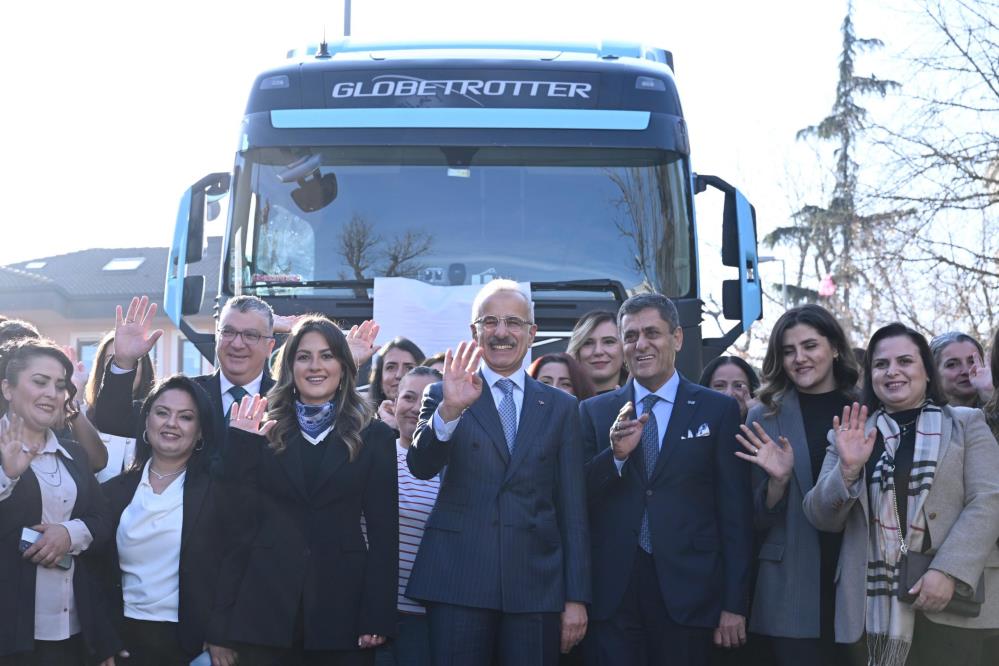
column 491, row 322
column 249, row 337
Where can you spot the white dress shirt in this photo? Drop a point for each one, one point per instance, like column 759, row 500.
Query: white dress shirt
column 444, row 430
column 253, row 388
column 663, row 408
column 56, row 618
column 148, row 539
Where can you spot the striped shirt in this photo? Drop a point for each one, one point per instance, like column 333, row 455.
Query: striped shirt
column 416, row 501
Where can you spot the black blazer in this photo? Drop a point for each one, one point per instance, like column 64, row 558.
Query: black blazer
column 116, row 414
column 23, row 508
column 508, row 532
column 304, row 550
column 699, row 503
column 201, row 541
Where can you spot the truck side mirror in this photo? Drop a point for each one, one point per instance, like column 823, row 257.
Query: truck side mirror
column 194, row 295
column 742, row 299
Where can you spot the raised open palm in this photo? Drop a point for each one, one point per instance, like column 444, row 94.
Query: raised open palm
column 852, row 445
column 249, row 415
column 361, row 341
column 774, row 458
column 132, row 336
column 462, row 384
column 17, row 454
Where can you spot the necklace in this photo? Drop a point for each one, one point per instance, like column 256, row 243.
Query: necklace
column 904, row 427
column 53, row 478
column 165, row 476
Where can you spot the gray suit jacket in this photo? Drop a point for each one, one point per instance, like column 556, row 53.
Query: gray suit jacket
column 962, row 513
column 786, row 601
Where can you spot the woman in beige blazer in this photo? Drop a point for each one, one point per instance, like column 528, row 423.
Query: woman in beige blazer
column 948, row 461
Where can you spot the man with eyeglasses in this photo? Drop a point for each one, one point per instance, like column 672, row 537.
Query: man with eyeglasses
column 244, row 340
column 503, row 567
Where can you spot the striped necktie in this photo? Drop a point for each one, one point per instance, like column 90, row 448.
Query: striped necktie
column 650, row 453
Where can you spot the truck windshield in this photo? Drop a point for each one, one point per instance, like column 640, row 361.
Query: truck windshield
column 452, row 216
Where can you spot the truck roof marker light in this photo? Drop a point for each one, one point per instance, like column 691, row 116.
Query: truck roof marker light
column 455, row 118
column 275, row 82
column 650, row 83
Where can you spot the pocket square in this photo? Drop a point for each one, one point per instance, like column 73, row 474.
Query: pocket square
column 689, row 435
column 704, row 430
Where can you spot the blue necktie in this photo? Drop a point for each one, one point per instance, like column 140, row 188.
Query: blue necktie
column 237, row 393
column 650, row 453
column 508, row 412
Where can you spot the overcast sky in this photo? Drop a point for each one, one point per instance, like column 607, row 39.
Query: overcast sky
column 111, row 110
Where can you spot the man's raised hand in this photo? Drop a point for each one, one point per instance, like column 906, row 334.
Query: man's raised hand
column 132, row 337
column 462, row 383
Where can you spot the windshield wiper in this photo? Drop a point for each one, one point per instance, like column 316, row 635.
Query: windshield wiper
column 360, row 287
column 597, row 286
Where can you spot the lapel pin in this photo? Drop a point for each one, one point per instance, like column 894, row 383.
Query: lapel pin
column 541, row 402
column 691, row 402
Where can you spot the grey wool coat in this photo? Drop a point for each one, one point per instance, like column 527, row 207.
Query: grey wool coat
column 962, row 512
column 786, row 600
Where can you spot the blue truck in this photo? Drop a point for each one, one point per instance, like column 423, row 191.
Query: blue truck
column 566, row 165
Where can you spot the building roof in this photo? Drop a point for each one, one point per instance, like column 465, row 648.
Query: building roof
column 80, row 281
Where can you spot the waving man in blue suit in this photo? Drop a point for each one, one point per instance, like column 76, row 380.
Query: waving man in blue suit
column 504, row 566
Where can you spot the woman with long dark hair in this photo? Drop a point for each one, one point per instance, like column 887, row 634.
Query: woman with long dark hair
column 51, row 511
column 161, row 568
column 735, row 378
column 918, row 569
column 391, row 363
column 304, row 586
column 809, row 374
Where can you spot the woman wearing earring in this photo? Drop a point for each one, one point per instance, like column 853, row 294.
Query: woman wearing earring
column 912, row 483
column 161, row 568
column 48, row 495
column 809, row 374
column 302, row 585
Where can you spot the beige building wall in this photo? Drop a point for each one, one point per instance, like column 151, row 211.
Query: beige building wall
column 83, row 335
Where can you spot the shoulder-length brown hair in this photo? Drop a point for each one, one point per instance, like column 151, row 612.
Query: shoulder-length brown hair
column 775, row 380
column 352, row 411
column 15, row 356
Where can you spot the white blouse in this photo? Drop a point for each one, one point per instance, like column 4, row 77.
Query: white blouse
column 148, row 541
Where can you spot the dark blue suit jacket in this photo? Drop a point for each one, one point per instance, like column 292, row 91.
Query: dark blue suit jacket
column 699, row 503
column 508, row 532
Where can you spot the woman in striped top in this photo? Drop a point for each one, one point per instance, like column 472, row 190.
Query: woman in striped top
column 416, row 500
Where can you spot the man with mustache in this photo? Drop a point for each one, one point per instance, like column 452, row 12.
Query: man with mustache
column 670, row 505
column 503, row 567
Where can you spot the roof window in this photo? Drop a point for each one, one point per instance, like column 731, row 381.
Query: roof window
column 123, row 264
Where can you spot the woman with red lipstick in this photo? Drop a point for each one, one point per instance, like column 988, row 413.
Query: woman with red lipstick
column 48, row 495
column 809, row 374
column 913, row 486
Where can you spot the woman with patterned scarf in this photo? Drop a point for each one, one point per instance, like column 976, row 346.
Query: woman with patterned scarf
column 303, row 584
column 912, row 566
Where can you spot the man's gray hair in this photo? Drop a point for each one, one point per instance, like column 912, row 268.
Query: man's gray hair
column 496, row 286
column 658, row 302
column 246, row 303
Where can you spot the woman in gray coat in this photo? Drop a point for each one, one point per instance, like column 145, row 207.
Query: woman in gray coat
column 947, row 460
column 809, row 375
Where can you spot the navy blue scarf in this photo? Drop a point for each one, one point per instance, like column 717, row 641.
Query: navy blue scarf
column 314, row 420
